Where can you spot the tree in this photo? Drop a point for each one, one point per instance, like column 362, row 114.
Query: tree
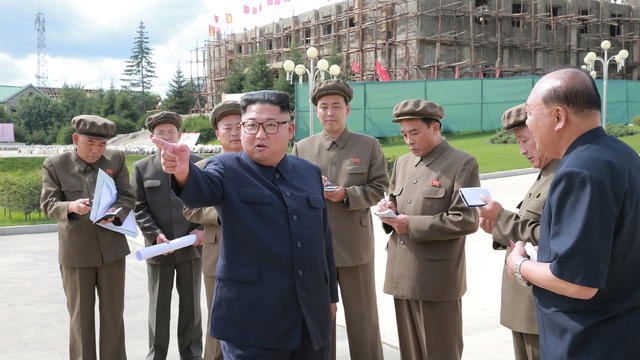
column 124, row 106
column 281, row 83
column 259, row 75
column 140, row 68
column 75, row 101
column 108, row 106
column 180, row 97
column 40, row 117
column 336, row 57
column 234, row 80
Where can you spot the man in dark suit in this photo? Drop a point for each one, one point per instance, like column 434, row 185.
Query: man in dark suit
column 91, row 257
column 275, row 279
column 159, row 215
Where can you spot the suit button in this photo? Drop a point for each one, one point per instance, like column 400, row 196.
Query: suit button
column 299, row 244
column 415, row 181
column 287, row 193
column 294, row 217
column 333, row 163
column 402, row 242
column 409, row 201
column 300, row 272
column 277, row 176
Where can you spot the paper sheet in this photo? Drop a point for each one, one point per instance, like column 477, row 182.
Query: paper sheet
column 159, row 249
column 104, row 195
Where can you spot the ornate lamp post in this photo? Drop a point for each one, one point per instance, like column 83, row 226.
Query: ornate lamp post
column 312, row 72
column 590, row 60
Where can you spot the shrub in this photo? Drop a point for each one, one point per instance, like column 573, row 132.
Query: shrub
column 65, row 134
column 500, row 138
column 199, row 123
column 123, row 126
column 620, row 130
column 636, row 120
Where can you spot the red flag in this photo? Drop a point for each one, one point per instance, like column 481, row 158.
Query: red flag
column 215, row 17
column 260, row 8
column 497, row 71
column 212, row 30
column 255, row 10
column 286, row 0
column 457, row 72
column 277, row 2
column 404, row 72
column 229, row 19
column 269, row 2
column 382, row 73
column 433, row 72
column 355, row 67
column 480, row 74
column 245, row 9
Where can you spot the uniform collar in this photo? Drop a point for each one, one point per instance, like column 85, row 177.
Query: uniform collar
column 434, row 154
column 586, row 138
column 283, row 167
column 82, row 165
column 340, row 141
column 550, row 169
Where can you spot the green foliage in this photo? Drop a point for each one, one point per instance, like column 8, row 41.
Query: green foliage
column 4, row 116
column 636, row 120
column 108, row 106
column 234, row 81
column 500, row 138
column 199, row 123
column 180, row 96
column 75, row 101
column 620, row 130
column 65, row 134
column 39, row 117
column 124, row 106
column 20, row 186
column 259, row 76
column 336, row 57
column 123, row 125
column 140, row 69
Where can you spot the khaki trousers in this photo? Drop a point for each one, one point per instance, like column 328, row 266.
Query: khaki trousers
column 429, row 330
column 160, row 277
column 358, row 295
column 526, row 346
column 212, row 349
column 80, row 286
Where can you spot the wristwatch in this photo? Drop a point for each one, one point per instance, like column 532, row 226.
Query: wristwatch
column 345, row 202
column 519, row 277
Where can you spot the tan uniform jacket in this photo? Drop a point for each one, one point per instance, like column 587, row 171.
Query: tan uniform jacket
column 428, row 263
column 158, row 210
column 65, row 178
column 355, row 162
column 518, row 310
column 212, row 232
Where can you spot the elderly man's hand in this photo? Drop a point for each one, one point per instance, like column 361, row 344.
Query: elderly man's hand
column 80, row 206
column 175, row 159
column 517, row 253
column 199, row 236
column 489, row 211
column 400, row 223
column 486, row 225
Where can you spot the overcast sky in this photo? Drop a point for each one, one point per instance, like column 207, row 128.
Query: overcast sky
column 89, row 41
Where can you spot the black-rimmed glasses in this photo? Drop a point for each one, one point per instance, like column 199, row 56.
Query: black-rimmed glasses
column 270, row 127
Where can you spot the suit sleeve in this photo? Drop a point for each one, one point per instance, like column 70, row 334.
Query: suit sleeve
column 144, row 218
column 52, row 199
column 126, row 195
column 204, row 187
column 509, row 226
column 392, row 187
column 366, row 195
column 459, row 220
column 333, row 280
column 206, row 216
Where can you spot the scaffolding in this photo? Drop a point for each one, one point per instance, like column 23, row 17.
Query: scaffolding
column 432, row 39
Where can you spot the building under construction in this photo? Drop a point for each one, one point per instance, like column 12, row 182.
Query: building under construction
column 435, row 39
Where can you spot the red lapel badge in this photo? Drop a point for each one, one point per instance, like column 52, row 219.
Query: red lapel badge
column 110, row 172
column 435, row 183
column 355, row 160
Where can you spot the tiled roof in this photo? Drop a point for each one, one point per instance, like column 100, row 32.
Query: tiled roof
column 7, row 91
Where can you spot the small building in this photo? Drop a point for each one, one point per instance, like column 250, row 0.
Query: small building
column 10, row 95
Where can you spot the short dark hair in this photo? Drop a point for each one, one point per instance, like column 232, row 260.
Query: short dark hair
column 577, row 91
column 430, row 121
column 270, row 97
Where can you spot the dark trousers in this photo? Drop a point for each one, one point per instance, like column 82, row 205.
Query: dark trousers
column 304, row 352
column 526, row 346
column 188, row 276
column 80, row 285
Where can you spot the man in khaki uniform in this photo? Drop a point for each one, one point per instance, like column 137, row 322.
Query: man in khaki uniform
column 159, row 215
column 426, row 259
column 518, row 310
column 226, row 121
column 353, row 163
column 91, row 257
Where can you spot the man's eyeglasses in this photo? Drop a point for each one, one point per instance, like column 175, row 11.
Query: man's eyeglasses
column 270, row 127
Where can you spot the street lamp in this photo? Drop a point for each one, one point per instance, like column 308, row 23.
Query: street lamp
column 312, row 72
column 590, row 60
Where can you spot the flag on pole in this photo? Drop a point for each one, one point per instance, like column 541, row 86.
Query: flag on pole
column 215, row 17
column 382, row 73
column 260, row 8
column 269, row 2
column 212, row 30
column 457, row 72
column 277, row 2
column 229, row 19
column 433, row 72
column 480, row 74
column 255, row 10
column 245, row 9
column 355, row 67
column 497, row 71
column 404, row 72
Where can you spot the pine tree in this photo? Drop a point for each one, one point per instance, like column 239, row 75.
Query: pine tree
column 258, row 76
column 180, row 94
column 140, row 66
column 234, row 80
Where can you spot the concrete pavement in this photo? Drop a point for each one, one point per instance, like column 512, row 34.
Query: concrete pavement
column 34, row 319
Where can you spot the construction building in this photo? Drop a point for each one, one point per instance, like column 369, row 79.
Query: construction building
column 436, row 39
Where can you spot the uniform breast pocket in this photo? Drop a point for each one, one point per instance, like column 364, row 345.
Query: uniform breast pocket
column 152, row 186
column 534, row 209
column 72, row 192
column 356, row 175
column 254, row 197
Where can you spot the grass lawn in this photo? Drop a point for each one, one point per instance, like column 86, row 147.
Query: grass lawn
column 17, row 218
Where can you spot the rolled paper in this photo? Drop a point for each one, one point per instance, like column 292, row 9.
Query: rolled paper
column 159, row 249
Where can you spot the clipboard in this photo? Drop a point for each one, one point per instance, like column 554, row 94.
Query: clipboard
column 104, row 195
column 471, row 196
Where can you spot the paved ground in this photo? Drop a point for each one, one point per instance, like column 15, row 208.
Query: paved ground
column 34, row 319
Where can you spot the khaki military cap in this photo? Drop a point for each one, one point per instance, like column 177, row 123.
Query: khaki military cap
column 93, row 126
column 165, row 117
column 332, row 87
column 225, row 108
column 514, row 118
column 416, row 108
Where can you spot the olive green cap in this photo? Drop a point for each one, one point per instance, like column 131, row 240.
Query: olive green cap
column 93, row 126
column 332, row 87
column 513, row 118
column 164, row 117
column 225, row 108
column 417, row 108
